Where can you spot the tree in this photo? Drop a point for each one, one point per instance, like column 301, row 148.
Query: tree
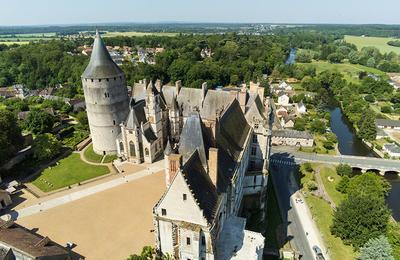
column 386, row 109
column 343, row 184
column 300, row 124
column 10, row 135
column 369, row 98
column 367, row 127
column 360, row 218
column 318, row 126
column 376, row 249
column 344, row 170
column 148, row 253
column 39, row 122
column 307, row 167
column 46, row 146
column 368, row 184
column 82, row 119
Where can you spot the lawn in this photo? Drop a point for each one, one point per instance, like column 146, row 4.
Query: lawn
column 139, row 34
column 13, row 42
column 378, row 42
column 91, row 156
column 110, row 158
column 323, row 213
column 69, row 171
column 349, row 71
column 330, row 186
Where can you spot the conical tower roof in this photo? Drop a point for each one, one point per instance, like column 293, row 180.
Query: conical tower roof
column 101, row 65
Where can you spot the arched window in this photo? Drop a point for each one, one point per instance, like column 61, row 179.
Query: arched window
column 121, row 146
column 132, row 149
column 146, row 151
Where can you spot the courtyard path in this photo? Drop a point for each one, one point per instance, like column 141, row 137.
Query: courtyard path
column 75, row 195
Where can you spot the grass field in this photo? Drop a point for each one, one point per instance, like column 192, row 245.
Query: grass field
column 323, row 213
column 138, row 34
column 350, row 71
column 378, row 42
column 91, row 156
column 69, row 171
column 13, row 42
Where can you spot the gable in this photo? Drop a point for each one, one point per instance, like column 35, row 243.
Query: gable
column 177, row 208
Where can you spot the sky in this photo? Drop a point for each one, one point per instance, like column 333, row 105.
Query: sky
column 45, row 12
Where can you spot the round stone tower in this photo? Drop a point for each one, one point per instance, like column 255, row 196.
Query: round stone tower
column 106, row 96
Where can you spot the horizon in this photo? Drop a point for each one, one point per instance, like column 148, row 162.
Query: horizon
column 342, row 12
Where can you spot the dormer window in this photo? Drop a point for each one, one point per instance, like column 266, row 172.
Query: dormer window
column 163, row 212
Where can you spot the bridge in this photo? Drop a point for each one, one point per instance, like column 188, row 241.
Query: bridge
column 356, row 162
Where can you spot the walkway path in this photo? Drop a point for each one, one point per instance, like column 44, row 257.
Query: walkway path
column 321, row 189
column 75, row 195
column 306, row 219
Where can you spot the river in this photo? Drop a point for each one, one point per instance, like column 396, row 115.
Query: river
column 349, row 144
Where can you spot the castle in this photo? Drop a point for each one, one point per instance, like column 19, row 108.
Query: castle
column 216, row 151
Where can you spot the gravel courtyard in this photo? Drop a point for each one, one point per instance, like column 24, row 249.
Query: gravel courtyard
column 111, row 224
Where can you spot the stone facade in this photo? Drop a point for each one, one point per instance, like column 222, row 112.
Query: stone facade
column 106, row 98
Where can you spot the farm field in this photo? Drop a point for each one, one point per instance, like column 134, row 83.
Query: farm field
column 378, row 42
column 10, row 39
column 138, row 34
column 350, row 71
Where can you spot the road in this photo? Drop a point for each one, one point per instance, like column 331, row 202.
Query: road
column 369, row 163
column 301, row 228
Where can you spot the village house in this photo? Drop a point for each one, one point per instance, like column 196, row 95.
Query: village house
column 17, row 242
column 283, row 99
column 393, row 150
column 301, row 108
column 292, row 138
column 388, row 124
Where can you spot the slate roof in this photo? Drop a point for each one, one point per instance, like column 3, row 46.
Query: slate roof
column 149, row 134
column 31, row 243
column 101, row 64
column 386, row 122
column 201, row 186
column 214, row 103
column 194, row 137
column 233, row 130
column 292, row 134
column 136, row 114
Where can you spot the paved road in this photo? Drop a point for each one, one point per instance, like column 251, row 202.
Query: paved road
column 295, row 231
column 75, row 195
column 296, row 214
column 354, row 161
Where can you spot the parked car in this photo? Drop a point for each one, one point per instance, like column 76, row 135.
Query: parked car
column 318, row 253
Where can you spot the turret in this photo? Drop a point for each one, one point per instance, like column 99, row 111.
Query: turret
column 106, row 96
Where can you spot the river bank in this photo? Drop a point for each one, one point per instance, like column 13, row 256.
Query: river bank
column 350, row 144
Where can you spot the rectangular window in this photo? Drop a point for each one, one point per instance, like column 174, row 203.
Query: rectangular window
column 203, row 240
column 254, row 138
column 163, row 212
column 184, row 196
column 188, row 241
column 253, row 150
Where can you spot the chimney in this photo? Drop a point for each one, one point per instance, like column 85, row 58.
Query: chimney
column 173, row 165
column 213, row 165
column 158, row 85
column 178, row 86
column 242, row 98
column 203, row 91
